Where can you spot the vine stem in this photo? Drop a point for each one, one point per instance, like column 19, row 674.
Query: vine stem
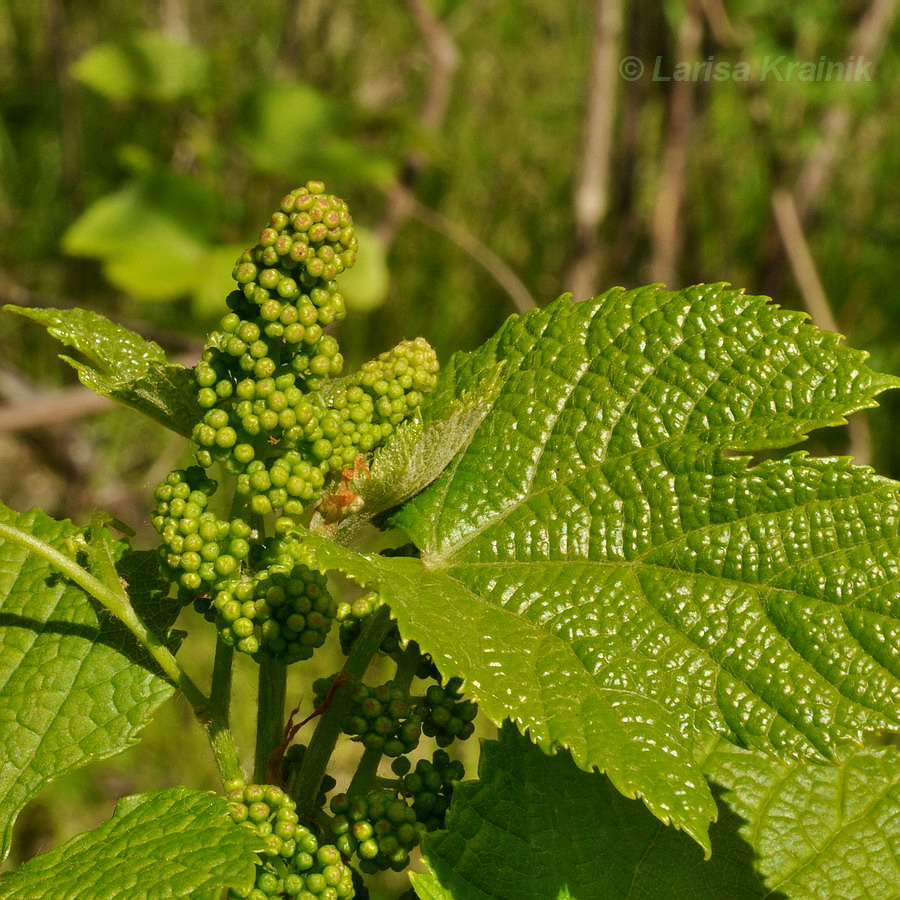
column 271, row 694
column 116, row 601
column 322, row 743
column 218, row 725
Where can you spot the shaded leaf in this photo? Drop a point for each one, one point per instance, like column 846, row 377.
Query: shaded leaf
column 75, row 686
column 168, row 844
column 819, row 831
column 123, row 366
column 291, row 126
column 551, row 830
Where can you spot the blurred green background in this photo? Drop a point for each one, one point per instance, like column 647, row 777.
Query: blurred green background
column 495, row 153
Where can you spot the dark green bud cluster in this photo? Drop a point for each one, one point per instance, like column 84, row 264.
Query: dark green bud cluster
column 445, row 715
column 430, row 785
column 268, row 811
column 382, row 718
column 293, row 862
column 283, row 610
column 198, row 548
column 353, row 616
column 380, row 828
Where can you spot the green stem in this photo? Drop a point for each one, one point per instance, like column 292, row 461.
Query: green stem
column 270, row 712
column 365, row 773
column 321, row 746
column 407, row 665
column 220, row 690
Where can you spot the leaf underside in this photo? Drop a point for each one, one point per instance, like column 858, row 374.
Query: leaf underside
column 74, row 685
column 554, row 831
column 123, row 366
column 603, row 563
column 168, row 844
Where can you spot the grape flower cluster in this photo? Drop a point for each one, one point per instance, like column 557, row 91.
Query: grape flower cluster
column 275, row 414
column 277, row 418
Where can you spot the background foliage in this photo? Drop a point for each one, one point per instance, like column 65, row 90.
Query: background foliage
column 141, row 144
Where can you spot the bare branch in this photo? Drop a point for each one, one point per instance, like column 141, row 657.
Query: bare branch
column 591, row 196
column 666, row 228
column 787, row 218
column 74, row 402
column 866, row 43
column 444, row 59
column 482, row 254
column 803, row 266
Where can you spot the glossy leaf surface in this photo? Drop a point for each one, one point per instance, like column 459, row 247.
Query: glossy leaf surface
column 603, row 566
column 819, row 831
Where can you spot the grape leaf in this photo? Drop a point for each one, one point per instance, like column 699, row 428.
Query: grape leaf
column 467, row 634
column 123, row 366
column 554, row 831
column 74, row 685
column 818, row 831
column 172, row 843
column 605, row 536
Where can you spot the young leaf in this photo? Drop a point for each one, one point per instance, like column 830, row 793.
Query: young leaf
column 414, row 455
column 661, row 586
column 172, row 843
column 74, row 685
column 123, row 366
column 554, row 831
column 818, row 831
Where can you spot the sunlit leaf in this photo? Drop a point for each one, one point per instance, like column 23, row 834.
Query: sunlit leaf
column 602, row 565
column 168, row 844
column 123, row 366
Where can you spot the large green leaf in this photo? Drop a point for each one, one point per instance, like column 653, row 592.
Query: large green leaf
column 123, row 366
column 74, row 685
column 601, row 567
column 172, row 843
column 819, row 831
column 553, row 831
column 513, row 668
